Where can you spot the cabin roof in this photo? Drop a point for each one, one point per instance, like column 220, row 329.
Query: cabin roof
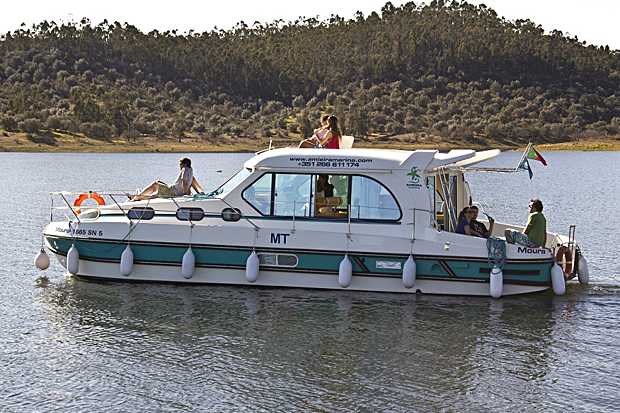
column 477, row 158
column 377, row 160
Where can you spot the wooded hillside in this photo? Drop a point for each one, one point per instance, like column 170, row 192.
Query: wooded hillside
column 448, row 69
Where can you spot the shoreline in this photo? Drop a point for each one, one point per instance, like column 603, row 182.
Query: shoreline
column 62, row 143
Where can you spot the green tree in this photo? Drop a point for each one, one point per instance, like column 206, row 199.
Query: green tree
column 116, row 109
column 305, row 127
column 85, row 106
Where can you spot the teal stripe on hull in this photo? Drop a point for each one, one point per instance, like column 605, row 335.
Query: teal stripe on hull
column 534, row 272
column 388, row 266
column 151, row 253
column 431, row 268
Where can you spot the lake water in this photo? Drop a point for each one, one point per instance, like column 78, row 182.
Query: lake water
column 71, row 345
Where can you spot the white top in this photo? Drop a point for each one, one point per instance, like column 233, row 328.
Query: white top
column 187, row 175
column 321, row 134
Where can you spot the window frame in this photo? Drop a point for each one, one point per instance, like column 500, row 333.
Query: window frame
column 140, row 213
column 312, row 197
column 190, row 216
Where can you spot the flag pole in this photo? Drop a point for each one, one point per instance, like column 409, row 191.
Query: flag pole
column 527, row 149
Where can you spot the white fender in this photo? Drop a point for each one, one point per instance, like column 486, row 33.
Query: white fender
column 557, row 280
column 497, row 282
column 345, row 272
column 127, row 261
column 582, row 270
column 409, row 272
column 252, row 267
column 42, row 260
column 189, row 264
column 73, row 260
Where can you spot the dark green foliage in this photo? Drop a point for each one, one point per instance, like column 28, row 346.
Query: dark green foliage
column 30, row 126
column 85, row 105
column 8, row 123
column 305, row 127
column 449, row 69
column 99, row 130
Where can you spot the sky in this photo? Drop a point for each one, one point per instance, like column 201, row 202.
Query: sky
column 592, row 21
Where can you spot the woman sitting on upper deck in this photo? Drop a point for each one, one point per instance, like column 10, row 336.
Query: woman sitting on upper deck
column 332, row 138
column 318, row 135
column 464, row 218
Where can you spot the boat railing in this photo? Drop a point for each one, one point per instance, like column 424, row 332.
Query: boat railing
column 63, row 204
column 270, row 148
column 80, row 206
column 71, row 204
column 433, row 218
column 300, row 209
column 553, row 240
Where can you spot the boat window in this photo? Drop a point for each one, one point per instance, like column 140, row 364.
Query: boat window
column 437, row 202
column 143, row 213
column 287, row 260
column 190, row 214
column 332, row 196
column 231, row 214
column 91, row 215
column 322, row 196
column 291, row 195
column 259, row 194
column 279, row 260
column 232, row 183
column 371, row 200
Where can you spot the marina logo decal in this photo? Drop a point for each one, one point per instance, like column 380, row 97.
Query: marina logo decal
column 414, row 174
column 414, row 182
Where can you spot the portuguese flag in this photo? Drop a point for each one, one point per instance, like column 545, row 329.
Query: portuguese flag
column 533, row 154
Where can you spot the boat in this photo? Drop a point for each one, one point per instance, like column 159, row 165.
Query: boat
column 387, row 225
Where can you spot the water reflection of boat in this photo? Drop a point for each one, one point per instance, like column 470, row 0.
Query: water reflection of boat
column 388, row 226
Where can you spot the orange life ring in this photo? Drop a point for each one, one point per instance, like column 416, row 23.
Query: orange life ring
column 565, row 254
column 82, row 197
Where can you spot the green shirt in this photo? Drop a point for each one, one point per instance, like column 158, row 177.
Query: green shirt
column 538, row 228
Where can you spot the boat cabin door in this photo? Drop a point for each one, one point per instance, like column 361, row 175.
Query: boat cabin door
column 443, row 192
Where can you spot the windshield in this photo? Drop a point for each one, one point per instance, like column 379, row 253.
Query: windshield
column 231, row 184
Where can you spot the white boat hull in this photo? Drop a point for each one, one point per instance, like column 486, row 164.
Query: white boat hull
column 266, row 278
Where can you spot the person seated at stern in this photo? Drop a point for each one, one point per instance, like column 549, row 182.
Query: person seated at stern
column 535, row 232
column 479, row 227
column 464, row 219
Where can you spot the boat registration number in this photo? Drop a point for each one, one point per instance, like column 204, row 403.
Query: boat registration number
column 81, row 232
column 390, row 265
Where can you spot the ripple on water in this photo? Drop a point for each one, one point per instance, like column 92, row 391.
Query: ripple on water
column 74, row 345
